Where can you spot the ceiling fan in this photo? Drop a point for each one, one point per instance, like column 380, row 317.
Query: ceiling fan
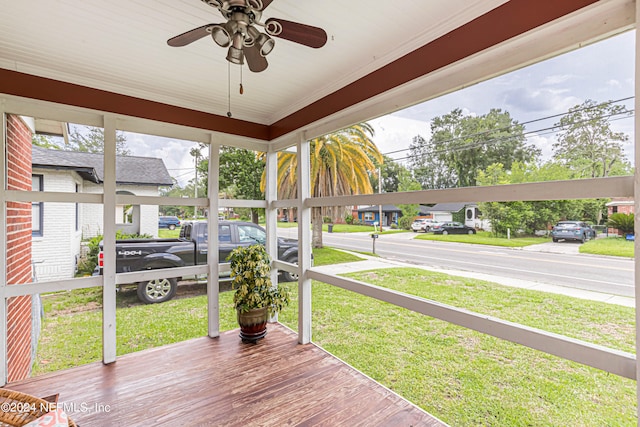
column 242, row 37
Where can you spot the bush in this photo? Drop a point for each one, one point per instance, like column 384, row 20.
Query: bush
column 326, row 220
column 394, row 226
column 405, row 222
column 87, row 264
column 622, row 222
column 348, row 219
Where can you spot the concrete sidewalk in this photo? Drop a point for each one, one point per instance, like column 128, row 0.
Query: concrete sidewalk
column 372, row 263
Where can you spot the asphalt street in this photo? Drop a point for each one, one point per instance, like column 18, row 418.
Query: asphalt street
column 558, row 266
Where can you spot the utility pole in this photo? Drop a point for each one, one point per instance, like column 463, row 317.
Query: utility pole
column 380, row 192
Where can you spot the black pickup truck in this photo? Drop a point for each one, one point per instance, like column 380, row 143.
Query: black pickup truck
column 190, row 249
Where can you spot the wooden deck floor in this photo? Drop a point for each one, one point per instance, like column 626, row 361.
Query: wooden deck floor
column 222, row 382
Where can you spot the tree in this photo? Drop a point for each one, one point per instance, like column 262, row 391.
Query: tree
column 527, row 216
column 429, row 169
column 341, row 164
column 409, row 212
column 460, row 146
column 242, row 169
column 91, row 140
column 86, row 139
column 391, row 172
column 587, row 144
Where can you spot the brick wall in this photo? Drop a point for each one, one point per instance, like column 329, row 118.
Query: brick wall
column 18, row 249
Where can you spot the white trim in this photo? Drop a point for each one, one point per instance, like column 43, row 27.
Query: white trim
column 636, row 195
column 161, row 201
column 271, row 214
column 53, row 286
column 4, row 365
column 304, row 240
column 213, row 253
column 600, row 357
column 620, row 186
column 241, row 203
column 587, row 25
column 109, row 243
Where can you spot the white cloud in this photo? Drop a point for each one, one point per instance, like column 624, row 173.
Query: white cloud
column 557, row 79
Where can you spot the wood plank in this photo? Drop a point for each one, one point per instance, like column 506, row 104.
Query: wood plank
column 223, row 382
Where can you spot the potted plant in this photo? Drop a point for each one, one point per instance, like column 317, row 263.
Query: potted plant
column 255, row 298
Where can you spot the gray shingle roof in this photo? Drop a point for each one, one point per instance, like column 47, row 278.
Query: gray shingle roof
column 443, row 207
column 376, row 208
column 129, row 169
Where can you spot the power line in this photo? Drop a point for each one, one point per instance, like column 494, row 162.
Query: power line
column 541, row 131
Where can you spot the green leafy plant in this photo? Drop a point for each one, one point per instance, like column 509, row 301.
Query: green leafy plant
column 251, row 279
column 622, row 222
column 87, row 264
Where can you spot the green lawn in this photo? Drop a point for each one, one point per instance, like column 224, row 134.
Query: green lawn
column 463, row 377
column 484, row 238
column 616, row 246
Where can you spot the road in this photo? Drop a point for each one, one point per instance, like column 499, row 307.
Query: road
column 594, row 273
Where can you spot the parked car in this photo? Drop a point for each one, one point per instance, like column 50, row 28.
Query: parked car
column 423, row 224
column 572, row 230
column 419, row 224
column 453, row 228
column 189, row 249
column 170, row 222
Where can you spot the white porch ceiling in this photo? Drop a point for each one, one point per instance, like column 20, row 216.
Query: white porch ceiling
column 119, row 46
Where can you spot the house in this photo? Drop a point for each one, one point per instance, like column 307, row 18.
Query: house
column 59, row 228
column 371, row 215
column 467, row 212
column 128, row 79
column 623, row 205
column 620, row 205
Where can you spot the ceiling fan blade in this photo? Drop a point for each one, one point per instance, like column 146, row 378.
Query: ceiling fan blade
column 190, row 36
column 265, row 4
column 300, row 33
column 255, row 60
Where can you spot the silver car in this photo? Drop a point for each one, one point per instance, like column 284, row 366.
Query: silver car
column 572, row 230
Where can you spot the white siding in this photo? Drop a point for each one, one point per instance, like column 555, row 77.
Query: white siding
column 56, row 252
column 92, row 215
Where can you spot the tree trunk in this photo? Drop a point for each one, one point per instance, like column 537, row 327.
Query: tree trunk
column 254, row 216
column 316, row 228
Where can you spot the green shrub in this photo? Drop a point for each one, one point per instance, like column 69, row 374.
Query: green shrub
column 88, row 263
column 622, row 222
column 405, row 222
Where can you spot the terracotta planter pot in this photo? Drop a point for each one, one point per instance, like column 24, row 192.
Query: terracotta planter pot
column 253, row 324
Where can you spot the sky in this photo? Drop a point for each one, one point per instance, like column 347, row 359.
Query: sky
column 602, row 72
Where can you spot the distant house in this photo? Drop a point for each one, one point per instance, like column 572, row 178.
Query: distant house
column 620, row 205
column 371, row 214
column 58, row 228
column 469, row 213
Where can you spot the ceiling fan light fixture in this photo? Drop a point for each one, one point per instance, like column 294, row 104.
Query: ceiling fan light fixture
column 265, row 44
column 220, row 35
column 235, row 54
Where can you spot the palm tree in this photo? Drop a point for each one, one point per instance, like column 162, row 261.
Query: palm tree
column 341, row 164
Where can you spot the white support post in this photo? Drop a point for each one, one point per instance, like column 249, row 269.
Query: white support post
column 271, row 213
column 109, row 241
column 213, row 254
column 636, row 191
column 304, row 240
column 4, row 367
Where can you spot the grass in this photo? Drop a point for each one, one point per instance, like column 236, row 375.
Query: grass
column 463, row 377
column 165, row 233
column 484, row 238
column 614, row 246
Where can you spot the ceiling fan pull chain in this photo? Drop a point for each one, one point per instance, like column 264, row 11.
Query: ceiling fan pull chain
column 229, row 88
